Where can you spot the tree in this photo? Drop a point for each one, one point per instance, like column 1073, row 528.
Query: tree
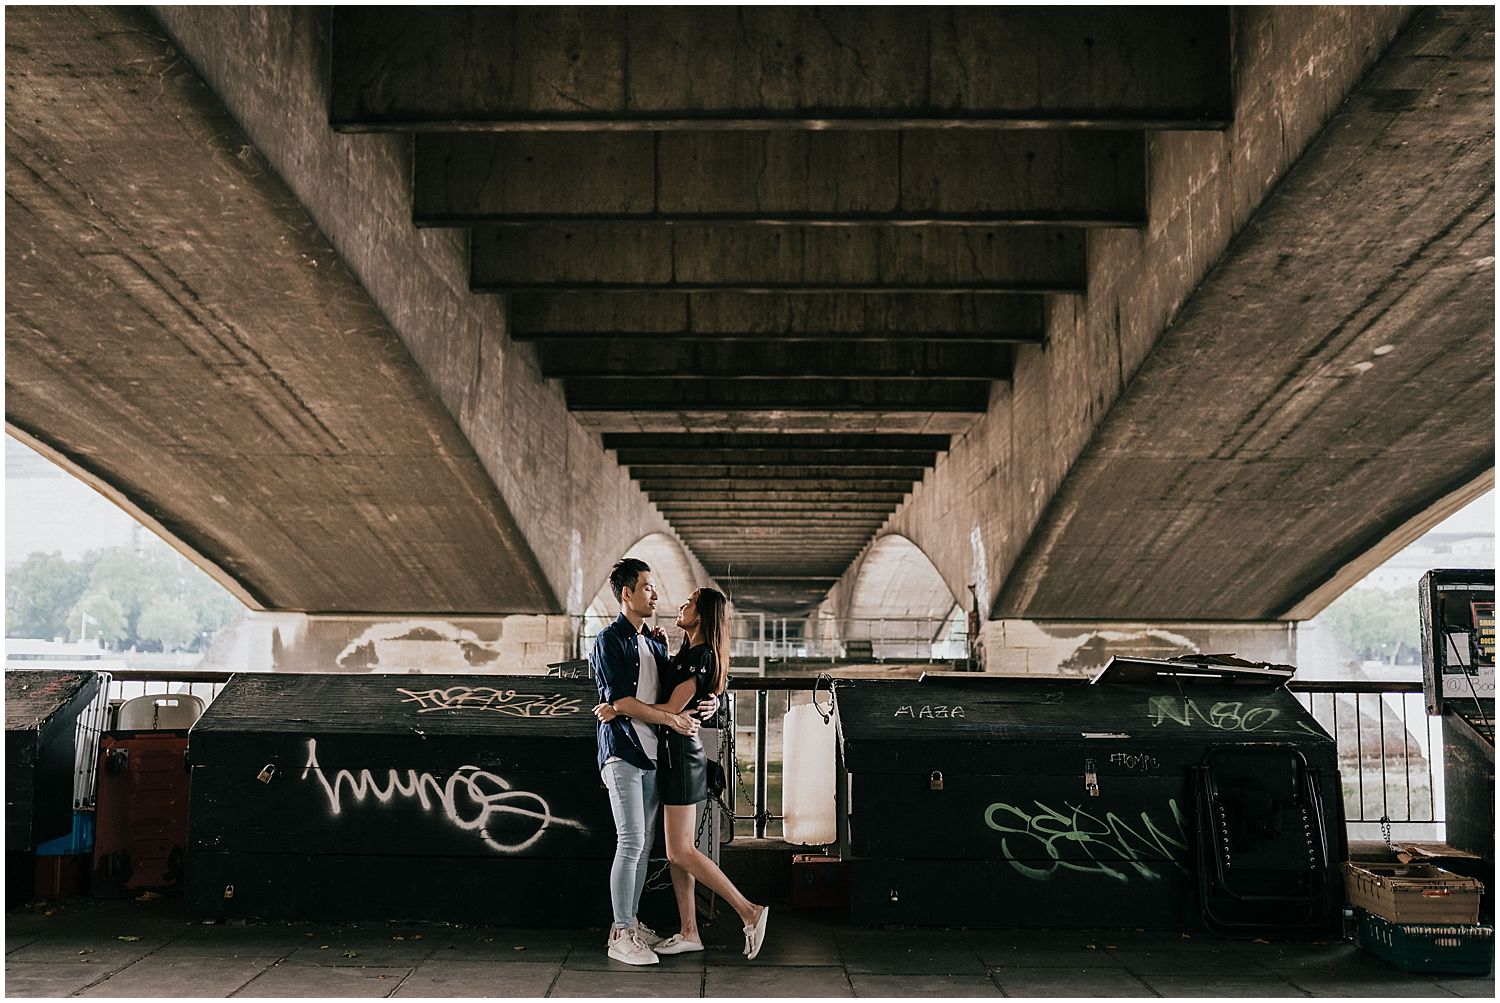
column 106, row 618
column 40, row 594
column 1374, row 623
column 172, row 622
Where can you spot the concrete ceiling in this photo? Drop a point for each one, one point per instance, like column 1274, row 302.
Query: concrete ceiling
column 779, row 258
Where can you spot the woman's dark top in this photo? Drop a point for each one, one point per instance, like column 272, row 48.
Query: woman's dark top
column 681, row 766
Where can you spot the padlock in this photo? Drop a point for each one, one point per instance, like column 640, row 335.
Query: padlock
column 1090, row 778
column 266, row 773
column 935, row 782
column 229, row 891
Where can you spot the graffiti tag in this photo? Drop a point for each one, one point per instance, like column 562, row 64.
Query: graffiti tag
column 1111, row 847
column 487, row 698
column 928, row 710
column 472, row 799
column 1131, row 761
column 1224, row 715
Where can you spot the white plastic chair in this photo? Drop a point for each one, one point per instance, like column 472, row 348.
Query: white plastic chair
column 159, row 712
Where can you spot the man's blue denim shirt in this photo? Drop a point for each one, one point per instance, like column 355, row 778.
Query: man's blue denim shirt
column 616, row 663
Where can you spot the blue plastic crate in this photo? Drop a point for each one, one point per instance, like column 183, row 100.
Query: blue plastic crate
column 80, row 840
column 1458, row 948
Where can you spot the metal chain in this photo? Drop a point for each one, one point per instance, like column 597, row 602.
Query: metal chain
column 1385, row 828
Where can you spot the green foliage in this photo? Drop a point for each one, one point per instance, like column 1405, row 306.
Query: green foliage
column 40, row 594
column 106, row 618
column 155, row 596
column 172, row 623
column 1376, row 624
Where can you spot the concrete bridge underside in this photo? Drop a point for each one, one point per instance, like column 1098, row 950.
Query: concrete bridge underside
column 441, row 312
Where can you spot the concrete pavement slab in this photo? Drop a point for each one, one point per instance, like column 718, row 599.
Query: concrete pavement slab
column 779, row 982
column 637, row 982
column 1056, row 982
column 967, row 986
column 440, row 977
column 165, row 977
column 290, row 979
column 37, row 978
column 1229, row 984
column 913, row 952
column 1470, row 988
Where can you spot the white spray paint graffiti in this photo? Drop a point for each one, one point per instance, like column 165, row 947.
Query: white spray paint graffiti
column 472, row 799
column 487, row 698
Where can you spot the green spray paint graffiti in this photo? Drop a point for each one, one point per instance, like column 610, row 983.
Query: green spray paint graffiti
column 1226, row 715
column 1110, row 846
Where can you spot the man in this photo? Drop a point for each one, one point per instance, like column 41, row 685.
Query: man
column 627, row 661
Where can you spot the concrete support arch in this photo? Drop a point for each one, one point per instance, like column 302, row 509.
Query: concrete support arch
column 893, row 597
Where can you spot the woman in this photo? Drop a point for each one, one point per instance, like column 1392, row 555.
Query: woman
column 699, row 668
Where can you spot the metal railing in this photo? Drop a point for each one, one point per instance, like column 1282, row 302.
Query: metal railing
column 765, row 639
column 1389, row 748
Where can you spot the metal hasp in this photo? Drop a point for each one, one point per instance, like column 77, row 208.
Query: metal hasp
column 1174, row 801
column 447, row 798
column 42, row 721
column 1458, row 680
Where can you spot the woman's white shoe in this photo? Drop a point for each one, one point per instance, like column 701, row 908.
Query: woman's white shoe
column 678, row 944
column 755, row 935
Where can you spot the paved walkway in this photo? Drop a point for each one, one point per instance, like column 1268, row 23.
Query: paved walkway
column 125, row 948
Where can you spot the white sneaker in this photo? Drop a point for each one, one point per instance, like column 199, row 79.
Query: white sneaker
column 755, row 936
column 646, row 935
column 628, row 948
column 678, row 944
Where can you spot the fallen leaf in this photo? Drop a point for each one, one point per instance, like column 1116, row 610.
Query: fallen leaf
column 415, row 936
column 87, row 950
column 350, row 954
column 323, row 947
column 127, row 937
column 395, row 937
column 519, row 947
column 147, row 896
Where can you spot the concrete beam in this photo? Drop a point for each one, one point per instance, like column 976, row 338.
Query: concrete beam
column 1365, row 396
column 639, row 394
column 749, row 418
column 700, row 442
column 957, row 177
column 749, row 473
column 565, row 358
column 819, row 317
column 776, row 67
column 776, row 256
column 819, row 486
column 288, row 441
column 688, row 458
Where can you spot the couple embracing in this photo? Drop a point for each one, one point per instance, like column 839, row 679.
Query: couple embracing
column 650, row 754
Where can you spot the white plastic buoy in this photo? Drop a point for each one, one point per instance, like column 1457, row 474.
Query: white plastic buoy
column 807, row 777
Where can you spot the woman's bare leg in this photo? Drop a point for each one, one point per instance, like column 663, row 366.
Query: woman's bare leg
column 677, row 821
column 684, row 887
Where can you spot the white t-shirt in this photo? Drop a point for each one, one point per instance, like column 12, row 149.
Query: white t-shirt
column 646, row 692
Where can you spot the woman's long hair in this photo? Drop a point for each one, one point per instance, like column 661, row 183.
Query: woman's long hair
column 713, row 616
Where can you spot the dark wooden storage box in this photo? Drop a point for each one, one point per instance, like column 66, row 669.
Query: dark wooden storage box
column 968, row 804
column 41, row 724
column 463, row 798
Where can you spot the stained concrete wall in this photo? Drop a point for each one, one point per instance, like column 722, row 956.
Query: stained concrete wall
column 1079, row 648
column 975, row 512
column 576, row 507
column 294, row 642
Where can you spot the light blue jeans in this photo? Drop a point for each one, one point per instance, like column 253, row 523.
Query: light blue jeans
column 632, row 798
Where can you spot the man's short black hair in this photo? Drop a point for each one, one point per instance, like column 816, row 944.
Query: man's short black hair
column 624, row 575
